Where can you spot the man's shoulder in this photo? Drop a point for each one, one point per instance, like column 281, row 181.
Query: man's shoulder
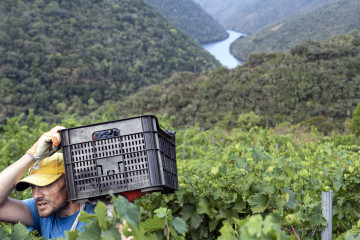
column 89, row 208
column 29, row 201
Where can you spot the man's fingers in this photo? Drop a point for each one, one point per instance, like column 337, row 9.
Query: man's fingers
column 47, row 144
column 57, row 129
column 55, row 135
column 33, row 149
column 55, row 140
column 52, row 137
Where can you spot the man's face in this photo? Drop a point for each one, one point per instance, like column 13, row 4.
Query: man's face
column 51, row 199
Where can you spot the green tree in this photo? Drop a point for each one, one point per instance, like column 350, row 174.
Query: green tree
column 355, row 121
column 248, row 120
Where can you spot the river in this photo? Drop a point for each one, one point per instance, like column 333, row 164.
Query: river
column 221, row 50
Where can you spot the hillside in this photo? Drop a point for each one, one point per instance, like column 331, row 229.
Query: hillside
column 338, row 18
column 259, row 14
column 191, row 18
column 222, row 9
column 314, row 79
column 70, row 56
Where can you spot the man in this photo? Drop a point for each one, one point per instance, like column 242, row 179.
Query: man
column 48, row 211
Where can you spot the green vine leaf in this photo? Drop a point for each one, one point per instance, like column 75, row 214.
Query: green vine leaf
column 127, row 211
column 20, row 232
column 258, row 202
column 92, row 231
column 180, row 225
column 101, row 214
column 111, row 233
column 153, row 224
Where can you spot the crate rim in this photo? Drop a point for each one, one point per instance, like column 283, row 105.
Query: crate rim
column 128, row 118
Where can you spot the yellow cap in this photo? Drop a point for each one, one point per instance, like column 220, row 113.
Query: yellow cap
column 50, row 169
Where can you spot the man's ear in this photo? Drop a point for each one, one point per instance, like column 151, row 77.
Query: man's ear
column 62, row 178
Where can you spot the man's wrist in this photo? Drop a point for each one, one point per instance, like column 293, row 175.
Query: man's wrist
column 27, row 153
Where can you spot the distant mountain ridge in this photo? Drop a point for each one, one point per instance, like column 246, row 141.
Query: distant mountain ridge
column 191, row 18
column 337, row 18
column 71, row 55
column 250, row 16
column 222, row 9
column 259, row 14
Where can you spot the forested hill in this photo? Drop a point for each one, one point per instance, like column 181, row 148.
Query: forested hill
column 259, row 14
column 314, row 79
column 337, row 18
column 191, row 18
column 65, row 55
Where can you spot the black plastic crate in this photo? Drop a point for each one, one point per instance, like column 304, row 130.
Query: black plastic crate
column 119, row 156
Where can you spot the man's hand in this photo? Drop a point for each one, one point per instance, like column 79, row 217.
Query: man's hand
column 46, row 145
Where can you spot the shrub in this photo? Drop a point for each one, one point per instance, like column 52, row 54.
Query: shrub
column 320, row 124
column 248, row 120
column 355, row 121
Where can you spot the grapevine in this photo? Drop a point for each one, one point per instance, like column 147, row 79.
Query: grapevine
column 253, row 184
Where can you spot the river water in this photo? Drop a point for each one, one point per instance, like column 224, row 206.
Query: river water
column 221, row 50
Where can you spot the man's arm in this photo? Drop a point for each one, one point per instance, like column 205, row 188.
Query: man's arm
column 12, row 210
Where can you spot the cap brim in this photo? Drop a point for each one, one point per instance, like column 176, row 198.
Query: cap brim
column 37, row 180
